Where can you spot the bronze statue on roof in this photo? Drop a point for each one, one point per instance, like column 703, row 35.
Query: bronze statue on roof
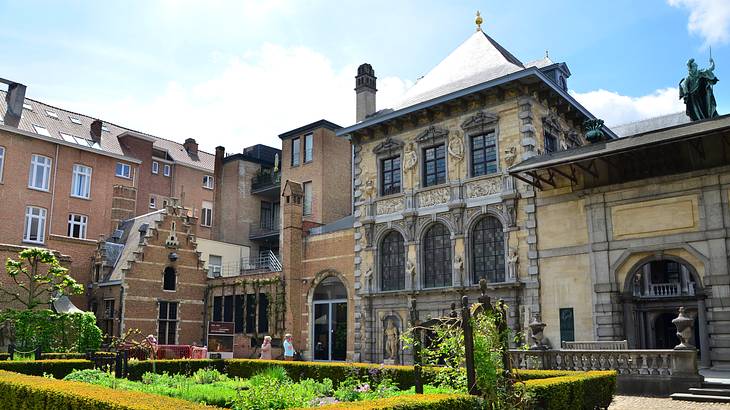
column 696, row 91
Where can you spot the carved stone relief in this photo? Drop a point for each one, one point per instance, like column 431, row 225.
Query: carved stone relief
column 433, row 197
column 389, row 206
column 510, row 154
column 484, row 187
column 456, row 146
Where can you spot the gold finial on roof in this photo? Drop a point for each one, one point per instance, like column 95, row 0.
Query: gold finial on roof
column 478, row 20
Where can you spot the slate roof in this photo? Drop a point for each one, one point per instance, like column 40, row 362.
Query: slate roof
column 130, row 242
column 38, row 115
column 477, row 60
column 650, row 124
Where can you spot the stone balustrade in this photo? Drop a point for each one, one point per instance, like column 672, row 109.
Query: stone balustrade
column 659, row 372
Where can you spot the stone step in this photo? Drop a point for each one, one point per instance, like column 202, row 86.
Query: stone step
column 700, row 398
column 707, row 391
column 715, row 385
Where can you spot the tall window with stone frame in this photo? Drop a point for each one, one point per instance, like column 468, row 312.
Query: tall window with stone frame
column 437, row 257
column 551, row 143
column 434, row 165
column 308, row 147
column 390, row 176
column 487, row 248
column 483, row 151
column 296, row 150
column 307, row 208
column 167, row 324
column 169, row 279
column 392, row 262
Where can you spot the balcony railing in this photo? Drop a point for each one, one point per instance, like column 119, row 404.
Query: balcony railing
column 250, row 265
column 265, row 229
column 265, row 180
column 665, row 290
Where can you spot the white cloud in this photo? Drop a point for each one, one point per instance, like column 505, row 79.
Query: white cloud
column 251, row 100
column 708, row 18
column 616, row 109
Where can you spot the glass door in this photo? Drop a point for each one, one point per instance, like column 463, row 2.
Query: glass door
column 339, row 330
column 321, row 331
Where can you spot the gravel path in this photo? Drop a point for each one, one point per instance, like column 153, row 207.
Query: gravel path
column 652, row 403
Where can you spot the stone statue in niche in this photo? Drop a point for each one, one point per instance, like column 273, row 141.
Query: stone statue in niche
column 456, row 146
column 459, row 265
column 368, row 279
column 411, row 270
column 512, row 259
column 391, row 338
column 410, row 158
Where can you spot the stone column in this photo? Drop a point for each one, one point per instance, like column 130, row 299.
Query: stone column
column 704, row 334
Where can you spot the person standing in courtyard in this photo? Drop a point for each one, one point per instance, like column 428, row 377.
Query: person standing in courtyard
column 288, row 348
column 266, row 349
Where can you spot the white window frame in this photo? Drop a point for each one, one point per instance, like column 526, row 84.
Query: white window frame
column 208, row 181
column 166, row 170
column 155, row 167
column 206, row 214
column 2, row 162
column 153, row 202
column 75, row 220
column 81, row 174
column 124, row 166
column 307, row 204
column 214, row 268
column 308, row 148
column 296, row 152
column 39, row 214
column 42, row 164
column 74, row 120
column 52, row 114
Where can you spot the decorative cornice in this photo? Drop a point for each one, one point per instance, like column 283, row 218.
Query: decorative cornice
column 431, row 134
column 480, row 121
column 388, row 147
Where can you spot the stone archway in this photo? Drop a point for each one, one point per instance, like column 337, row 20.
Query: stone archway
column 653, row 291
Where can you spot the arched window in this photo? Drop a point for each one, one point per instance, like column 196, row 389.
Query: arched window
column 168, row 279
column 392, row 262
column 487, row 249
column 663, row 278
column 437, row 257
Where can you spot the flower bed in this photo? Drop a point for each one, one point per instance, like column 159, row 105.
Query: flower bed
column 549, row 389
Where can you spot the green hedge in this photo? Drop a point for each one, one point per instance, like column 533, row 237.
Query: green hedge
column 415, row 402
column 580, row 390
column 40, row 393
column 58, row 368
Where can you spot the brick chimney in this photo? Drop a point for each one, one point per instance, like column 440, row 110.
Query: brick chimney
column 364, row 92
column 220, row 153
column 95, row 130
column 292, row 253
column 14, row 99
column 191, row 146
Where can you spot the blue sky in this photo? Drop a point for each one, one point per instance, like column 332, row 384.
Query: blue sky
column 239, row 73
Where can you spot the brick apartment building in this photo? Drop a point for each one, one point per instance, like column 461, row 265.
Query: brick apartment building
column 67, row 179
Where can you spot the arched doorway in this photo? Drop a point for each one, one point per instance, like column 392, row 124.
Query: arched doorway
column 653, row 293
column 329, row 304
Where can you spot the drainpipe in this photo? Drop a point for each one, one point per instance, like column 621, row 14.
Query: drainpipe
column 121, row 310
column 53, row 195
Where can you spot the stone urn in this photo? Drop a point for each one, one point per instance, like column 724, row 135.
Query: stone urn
column 685, row 330
column 536, row 328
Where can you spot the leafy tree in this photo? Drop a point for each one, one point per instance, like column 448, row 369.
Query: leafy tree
column 38, row 279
